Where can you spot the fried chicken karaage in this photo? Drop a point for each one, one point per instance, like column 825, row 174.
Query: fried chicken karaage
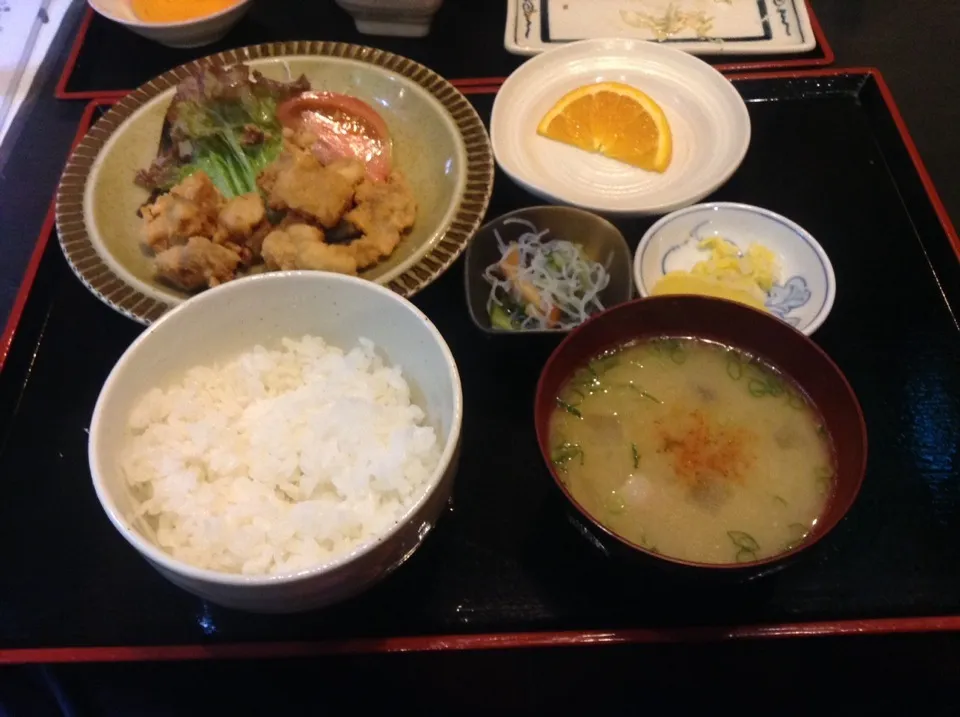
column 307, row 215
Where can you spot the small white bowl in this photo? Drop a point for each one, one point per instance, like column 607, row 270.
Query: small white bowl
column 189, row 33
column 398, row 18
column 263, row 309
column 805, row 292
column 709, row 124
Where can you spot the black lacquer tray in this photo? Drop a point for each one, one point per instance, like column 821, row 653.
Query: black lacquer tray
column 465, row 46
column 504, row 568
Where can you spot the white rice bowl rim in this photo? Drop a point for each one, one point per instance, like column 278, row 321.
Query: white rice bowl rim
column 127, row 362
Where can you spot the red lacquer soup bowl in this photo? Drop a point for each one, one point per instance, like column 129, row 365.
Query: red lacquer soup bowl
column 754, row 332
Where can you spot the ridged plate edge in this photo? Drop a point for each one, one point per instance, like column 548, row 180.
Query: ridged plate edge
column 96, row 275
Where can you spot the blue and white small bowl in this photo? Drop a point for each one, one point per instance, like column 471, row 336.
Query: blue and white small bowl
column 804, row 293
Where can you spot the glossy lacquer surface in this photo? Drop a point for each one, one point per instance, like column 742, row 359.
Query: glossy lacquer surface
column 825, row 153
column 466, row 41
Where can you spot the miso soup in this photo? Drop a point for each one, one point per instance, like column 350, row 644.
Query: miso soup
column 694, row 450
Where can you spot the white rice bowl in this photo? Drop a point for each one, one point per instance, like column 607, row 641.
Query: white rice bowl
column 279, row 459
column 265, row 503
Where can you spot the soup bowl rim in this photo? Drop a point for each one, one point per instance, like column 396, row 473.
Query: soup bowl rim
column 542, row 431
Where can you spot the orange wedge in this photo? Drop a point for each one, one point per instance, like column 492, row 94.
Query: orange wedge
column 615, row 120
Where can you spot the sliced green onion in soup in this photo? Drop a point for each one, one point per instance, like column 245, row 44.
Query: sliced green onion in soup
column 744, row 541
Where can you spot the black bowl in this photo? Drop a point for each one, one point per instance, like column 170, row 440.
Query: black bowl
column 601, row 241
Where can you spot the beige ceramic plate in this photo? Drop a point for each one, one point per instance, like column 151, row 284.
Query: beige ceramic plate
column 439, row 143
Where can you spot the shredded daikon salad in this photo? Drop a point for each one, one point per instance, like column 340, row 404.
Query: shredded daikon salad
column 542, row 284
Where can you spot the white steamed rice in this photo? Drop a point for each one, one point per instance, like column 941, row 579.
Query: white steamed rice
column 278, row 460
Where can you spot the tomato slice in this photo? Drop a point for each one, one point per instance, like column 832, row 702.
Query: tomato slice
column 344, row 127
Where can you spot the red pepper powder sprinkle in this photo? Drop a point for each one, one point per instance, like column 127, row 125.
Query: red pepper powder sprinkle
column 702, row 450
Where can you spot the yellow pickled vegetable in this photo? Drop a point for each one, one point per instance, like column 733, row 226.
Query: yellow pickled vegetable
column 725, row 274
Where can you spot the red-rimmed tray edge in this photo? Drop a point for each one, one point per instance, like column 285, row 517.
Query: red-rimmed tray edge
column 486, row 641
column 46, row 229
column 61, row 92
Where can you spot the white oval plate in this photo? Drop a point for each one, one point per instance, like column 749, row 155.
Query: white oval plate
column 708, row 119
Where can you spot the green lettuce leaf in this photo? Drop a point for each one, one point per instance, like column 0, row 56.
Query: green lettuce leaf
column 221, row 121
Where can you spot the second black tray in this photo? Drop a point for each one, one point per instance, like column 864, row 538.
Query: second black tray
column 466, row 43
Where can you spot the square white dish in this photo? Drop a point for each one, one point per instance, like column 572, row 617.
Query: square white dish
column 736, row 27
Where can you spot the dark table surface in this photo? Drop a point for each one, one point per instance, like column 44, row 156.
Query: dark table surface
column 912, row 43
